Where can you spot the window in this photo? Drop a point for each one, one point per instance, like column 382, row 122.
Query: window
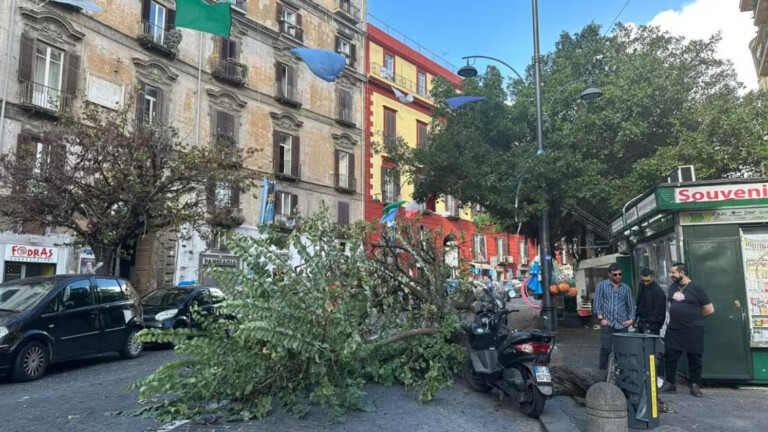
column 157, row 22
column 347, row 49
column 478, row 247
column 240, row 4
column 78, row 294
column 285, row 79
column 228, row 49
column 390, row 123
column 343, row 214
column 222, row 196
column 345, row 107
column 502, row 250
column 286, row 155
column 149, row 104
column 218, row 241
column 422, row 83
column 201, row 298
column 216, row 295
column 224, row 128
column 389, row 65
column 523, row 248
column 286, row 204
column 289, row 21
column 345, row 163
column 48, row 77
column 421, row 133
column 390, row 184
column 452, row 206
column 109, row 291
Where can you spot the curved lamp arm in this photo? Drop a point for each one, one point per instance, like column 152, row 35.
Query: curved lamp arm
column 549, row 110
column 496, row 60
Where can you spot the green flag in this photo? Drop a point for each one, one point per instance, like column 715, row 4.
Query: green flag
column 209, row 18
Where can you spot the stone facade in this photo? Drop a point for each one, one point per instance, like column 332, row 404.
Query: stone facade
column 131, row 46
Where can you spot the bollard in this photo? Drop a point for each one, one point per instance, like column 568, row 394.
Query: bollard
column 606, row 408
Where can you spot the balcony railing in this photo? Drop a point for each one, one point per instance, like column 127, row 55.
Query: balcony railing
column 389, row 197
column 231, row 71
column 286, row 170
column 239, row 4
column 758, row 46
column 346, row 117
column 47, row 98
column 345, row 182
column 345, row 9
column 291, row 30
column 287, row 94
column 158, row 38
column 226, row 217
column 401, row 81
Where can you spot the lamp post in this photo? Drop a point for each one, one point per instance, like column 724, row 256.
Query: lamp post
column 468, row 71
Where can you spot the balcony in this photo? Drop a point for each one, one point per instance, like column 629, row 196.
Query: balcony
column 158, row 39
column 286, row 170
column 292, row 30
column 389, row 197
column 286, row 223
column 288, row 95
column 760, row 12
column 344, row 182
column 226, row 217
column 44, row 99
column 345, row 117
column 401, row 81
column 230, row 71
column 237, row 5
column 346, row 10
column 758, row 46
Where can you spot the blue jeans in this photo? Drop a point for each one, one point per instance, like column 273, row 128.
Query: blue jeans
column 606, row 344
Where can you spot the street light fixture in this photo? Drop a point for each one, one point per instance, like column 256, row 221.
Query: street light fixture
column 591, row 94
column 467, row 71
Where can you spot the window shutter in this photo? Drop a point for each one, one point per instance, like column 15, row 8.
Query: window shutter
column 234, row 200
column 145, row 4
column 276, row 160
column 343, row 213
column 291, row 81
column 383, row 182
column 298, row 21
column 225, row 124
column 170, row 19
column 342, row 105
column 278, row 75
column 210, row 195
column 25, row 152
column 159, row 106
column 338, row 44
column 336, row 167
column 73, row 65
column 278, row 203
column 396, row 175
column 352, row 183
column 352, row 54
column 279, row 13
column 233, row 49
column 140, row 102
column 26, row 57
column 223, row 48
column 294, row 204
column 295, row 152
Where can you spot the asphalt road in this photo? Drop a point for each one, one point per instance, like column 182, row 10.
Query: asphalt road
column 77, row 395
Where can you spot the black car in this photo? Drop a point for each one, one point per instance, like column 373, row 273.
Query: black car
column 44, row 320
column 171, row 308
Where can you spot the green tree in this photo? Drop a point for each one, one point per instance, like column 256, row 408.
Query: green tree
column 107, row 179
column 667, row 102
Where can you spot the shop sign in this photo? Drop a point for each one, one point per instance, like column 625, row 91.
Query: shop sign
column 724, row 216
column 35, row 254
column 632, row 215
column 646, row 206
column 725, row 195
column 219, row 261
column 617, row 225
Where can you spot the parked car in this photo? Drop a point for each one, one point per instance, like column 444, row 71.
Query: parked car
column 171, row 308
column 49, row 319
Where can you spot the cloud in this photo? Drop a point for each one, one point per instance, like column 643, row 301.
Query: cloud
column 703, row 18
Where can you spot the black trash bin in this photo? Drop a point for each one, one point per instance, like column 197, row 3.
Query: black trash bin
column 636, row 376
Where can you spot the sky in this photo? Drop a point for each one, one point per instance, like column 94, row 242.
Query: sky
column 503, row 28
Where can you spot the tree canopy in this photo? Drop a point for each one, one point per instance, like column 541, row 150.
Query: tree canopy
column 667, row 102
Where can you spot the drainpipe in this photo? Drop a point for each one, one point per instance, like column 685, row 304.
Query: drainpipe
column 7, row 78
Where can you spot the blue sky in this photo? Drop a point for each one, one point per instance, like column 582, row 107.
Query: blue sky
column 503, row 28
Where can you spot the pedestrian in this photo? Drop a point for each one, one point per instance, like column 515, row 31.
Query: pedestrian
column 615, row 310
column 651, row 310
column 688, row 306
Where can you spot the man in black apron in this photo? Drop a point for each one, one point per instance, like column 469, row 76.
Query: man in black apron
column 688, row 306
column 651, row 310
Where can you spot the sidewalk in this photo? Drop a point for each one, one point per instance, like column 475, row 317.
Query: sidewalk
column 721, row 409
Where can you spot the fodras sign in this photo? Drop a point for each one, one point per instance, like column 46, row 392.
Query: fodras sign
column 725, row 195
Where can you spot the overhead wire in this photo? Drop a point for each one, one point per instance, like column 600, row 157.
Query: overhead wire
column 616, row 18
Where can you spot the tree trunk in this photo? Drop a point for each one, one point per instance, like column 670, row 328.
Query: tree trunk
column 575, row 382
column 104, row 256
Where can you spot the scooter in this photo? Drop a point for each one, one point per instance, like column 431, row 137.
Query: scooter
column 516, row 363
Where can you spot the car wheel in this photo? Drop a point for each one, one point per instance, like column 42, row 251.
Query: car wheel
column 132, row 347
column 31, row 362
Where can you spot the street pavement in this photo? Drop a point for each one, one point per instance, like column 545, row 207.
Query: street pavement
column 78, row 395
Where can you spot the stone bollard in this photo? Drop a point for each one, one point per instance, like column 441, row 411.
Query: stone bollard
column 606, row 408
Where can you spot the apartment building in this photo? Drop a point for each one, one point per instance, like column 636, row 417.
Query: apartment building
column 248, row 89
column 759, row 45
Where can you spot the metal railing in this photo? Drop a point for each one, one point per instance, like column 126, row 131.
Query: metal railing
column 287, row 93
column 45, row 97
column 291, row 30
column 156, row 33
column 346, row 116
column 408, row 85
column 381, row 25
column 231, row 70
column 345, row 181
column 240, row 4
column 387, row 197
column 286, row 169
column 348, row 9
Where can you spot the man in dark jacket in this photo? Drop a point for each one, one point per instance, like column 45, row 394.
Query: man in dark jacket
column 651, row 304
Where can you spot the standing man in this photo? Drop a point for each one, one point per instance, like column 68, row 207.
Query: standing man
column 651, row 304
column 688, row 306
column 614, row 309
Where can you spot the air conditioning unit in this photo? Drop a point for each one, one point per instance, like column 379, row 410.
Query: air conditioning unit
column 685, row 173
column 494, row 261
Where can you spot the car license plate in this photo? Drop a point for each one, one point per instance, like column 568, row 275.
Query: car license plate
column 542, row 374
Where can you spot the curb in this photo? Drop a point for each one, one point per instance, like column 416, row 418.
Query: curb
column 554, row 419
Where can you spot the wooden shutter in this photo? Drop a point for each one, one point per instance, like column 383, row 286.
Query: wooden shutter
column 396, row 175
column 348, row 103
column 338, row 44
column 294, row 204
column 336, row 155
column 279, row 14
column 233, row 49
column 343, row 213
column 234, row 200
column 276, row 159
column 73, row 65
column 352, row 54
column 225, row 124
column 295, row 152
column 341, row 101
column 223, row 48
column 26, row 58
column 170, row 19
column 278, row 203
column 140, row 102
column 145, row 4
column 160, row 103
column 278, row 75
column 352, row 182
column 291, row 82
column 298, row 24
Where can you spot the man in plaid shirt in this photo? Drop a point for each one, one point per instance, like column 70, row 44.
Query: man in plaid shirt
column 615, row 310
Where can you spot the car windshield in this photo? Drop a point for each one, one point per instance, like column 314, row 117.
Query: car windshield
column 17, row 296
column 165, row 297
